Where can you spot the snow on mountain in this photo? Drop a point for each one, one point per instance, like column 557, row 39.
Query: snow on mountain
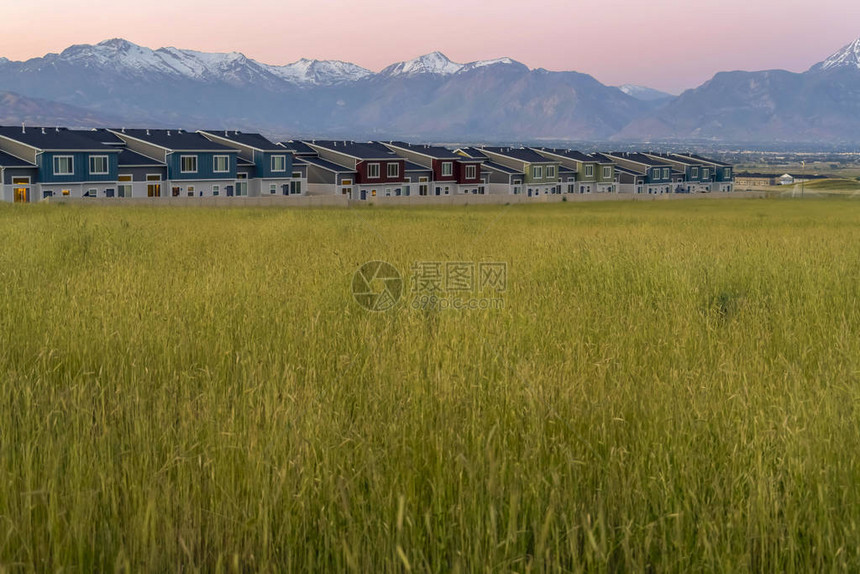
column 485, row 63
column 643, row 93
column 847, row 57
column 320, row 72
column 434, row 63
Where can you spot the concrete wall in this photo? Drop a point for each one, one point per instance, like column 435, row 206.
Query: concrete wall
column 412, row 200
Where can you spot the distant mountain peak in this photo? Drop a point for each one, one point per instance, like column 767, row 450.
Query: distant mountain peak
column 847, row 57
column 644, row 93
column 435, row 63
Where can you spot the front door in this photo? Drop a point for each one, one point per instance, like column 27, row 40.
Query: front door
column 22, row 195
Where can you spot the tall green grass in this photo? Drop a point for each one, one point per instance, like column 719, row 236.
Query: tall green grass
column 671, row 386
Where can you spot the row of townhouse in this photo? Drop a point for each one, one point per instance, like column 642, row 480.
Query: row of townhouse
column 39, row 163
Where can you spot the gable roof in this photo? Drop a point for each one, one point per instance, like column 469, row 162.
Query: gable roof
column 360, row 151
column 472, row 153
column 175, row 140
column 638, row 158
column 504, row 169
column 570, row 154
column 7, row 160
column 436, row 152
column 521, row 154
column 298, row 147
column 52, row 139
column 415, row 167
column 327, row 165
column 128, row 158
column 253, row 140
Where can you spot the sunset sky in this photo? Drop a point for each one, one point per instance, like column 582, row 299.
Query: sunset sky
column 666, row 44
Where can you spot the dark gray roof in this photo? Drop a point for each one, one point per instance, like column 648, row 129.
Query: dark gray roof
column 255, row 141
column 522, row 154
column 99, row 136
column 433, row 151
column 499, row 167
column 704, row 159
column 361, row 151
column 415, row 167
column 638, row 158
column 563, row 169
column 600, row 158
column 297, row 161
column 328, row 165
column 620, row 169
column 569, row 153
column 242, row 162
column 178, row 140
column 7, row 160
column 128, row 158
column 473, row 153
column 52, row 139
column 299, row 148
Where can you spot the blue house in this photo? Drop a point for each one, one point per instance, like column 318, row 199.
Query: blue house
column 65, row 162
column 16, row 178
column 271, row 165
column 195, row 165
column 657, row 173
column 138, row 175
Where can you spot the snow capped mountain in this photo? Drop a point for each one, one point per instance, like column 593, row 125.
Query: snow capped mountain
column 847, row 57
column 320, row 72
column 644, row 93
column 434, row 63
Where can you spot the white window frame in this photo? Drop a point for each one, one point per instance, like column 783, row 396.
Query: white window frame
column 281, row 158
column 550, row 171
column 216, row 190
column 667, row 173
column 706, row 173
column 71, row 160
column 694, row 173
column 471, row 171
column 395, row 172
column 182, row 159
column 607, row 172
column 373, row 171
column 216, row 159
column 589, row 171
column 537, row 172
column 273, row 189
column 447, row 168
column 104, row 158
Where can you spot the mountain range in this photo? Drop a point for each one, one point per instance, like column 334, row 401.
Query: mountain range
column 117, row 82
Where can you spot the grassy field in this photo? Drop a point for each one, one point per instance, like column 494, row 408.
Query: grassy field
column 669, row 386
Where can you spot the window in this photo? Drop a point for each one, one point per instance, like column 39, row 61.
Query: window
column 67, row 192
column 550, row 171
column 98, row 165
column 694, row 173
column 124, row 186
column 471, row 172
column 190, row 191
column 175, row 191
column 216, row 190
column 220, row 164
column 728, row 173
column 666, row 173
column 279, row 163
column 589, row 171
column 537, row 172
column 706, row 173
column 92, row 192
column 20, row 181
column 607, row 173
column 64, row 165
column 373, row 171
column 447, row 168
column 393, row 170
column 655, row 174
column 273, row 188
column 188, row 164
column 297, row 174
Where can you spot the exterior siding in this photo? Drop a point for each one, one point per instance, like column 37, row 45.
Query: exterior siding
column 81, row 163
column 383, row 178
column 263, row 161
column 205, row 166
column 18, row 149
column 460, row 172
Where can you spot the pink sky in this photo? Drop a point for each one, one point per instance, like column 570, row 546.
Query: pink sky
column 666, row 44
